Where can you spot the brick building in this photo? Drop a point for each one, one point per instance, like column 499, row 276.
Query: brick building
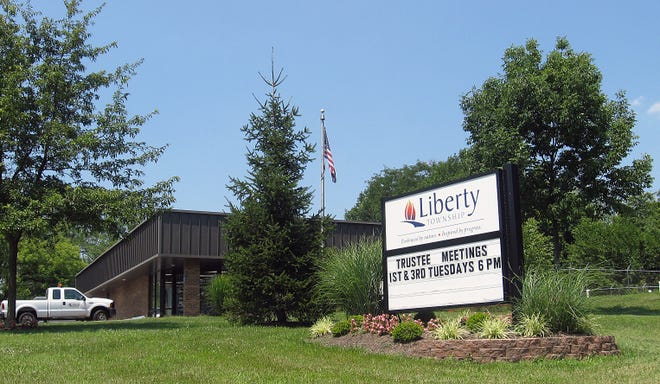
column 161, row 267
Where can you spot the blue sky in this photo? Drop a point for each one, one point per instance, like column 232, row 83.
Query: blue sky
column 389, row 74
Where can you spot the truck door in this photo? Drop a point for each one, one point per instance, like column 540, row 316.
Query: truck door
column 75, row 303
column 56, row 304
column 67, row 304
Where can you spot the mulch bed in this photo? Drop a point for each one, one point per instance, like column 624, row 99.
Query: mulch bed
column 481, row 350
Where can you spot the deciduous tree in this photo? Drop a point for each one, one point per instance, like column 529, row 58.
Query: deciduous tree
column 396, row 181
column 67, row 154
column 552, row 119
column 44, row 263
column 628, row 240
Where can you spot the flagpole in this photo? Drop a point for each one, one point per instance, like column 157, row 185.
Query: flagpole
column 322, row 170
column 322, row 163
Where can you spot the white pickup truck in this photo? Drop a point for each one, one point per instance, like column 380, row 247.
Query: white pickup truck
column 60, row 303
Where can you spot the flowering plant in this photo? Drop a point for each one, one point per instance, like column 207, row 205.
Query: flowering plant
column 432, row 325
column 379, row 324
column 384, row 324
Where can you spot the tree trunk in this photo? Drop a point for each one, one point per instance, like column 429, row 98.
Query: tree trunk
column 281, row 316
column 12, row 241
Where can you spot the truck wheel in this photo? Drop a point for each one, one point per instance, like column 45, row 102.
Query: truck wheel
column 27, row 319
column 99, row 315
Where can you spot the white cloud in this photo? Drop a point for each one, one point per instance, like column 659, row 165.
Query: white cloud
column 655, row 109
column 638, row 101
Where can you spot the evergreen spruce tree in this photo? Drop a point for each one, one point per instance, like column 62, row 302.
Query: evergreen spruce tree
column 274, row 242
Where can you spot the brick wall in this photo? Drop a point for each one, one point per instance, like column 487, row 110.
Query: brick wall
column 131, row 297
column 482, row 350
column 191, row 296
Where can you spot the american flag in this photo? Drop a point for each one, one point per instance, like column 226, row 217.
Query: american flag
column 327, row 153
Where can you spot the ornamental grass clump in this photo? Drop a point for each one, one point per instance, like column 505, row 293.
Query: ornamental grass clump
column 450, row 330
column 533, row 325
column 322, row 326
column 494, row 328
column 558, row 297
column 351, row 277
column 407, row 331
column 217, row 293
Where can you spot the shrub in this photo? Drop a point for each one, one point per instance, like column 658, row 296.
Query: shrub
column 475, row 320
column 558, row 297
column 450, row 330
column 425, row 316
column 407, row 331
column 351, row 277
column 341, row 328
column 494, row 328
column 430, row 324
column 587, row 325
column 533, row 325
column 322, row 326
column 217, row 292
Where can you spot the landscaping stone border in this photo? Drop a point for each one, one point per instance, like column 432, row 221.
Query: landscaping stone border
column 484, row 350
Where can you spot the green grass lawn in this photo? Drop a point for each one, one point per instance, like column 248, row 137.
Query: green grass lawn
column 211, row 350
